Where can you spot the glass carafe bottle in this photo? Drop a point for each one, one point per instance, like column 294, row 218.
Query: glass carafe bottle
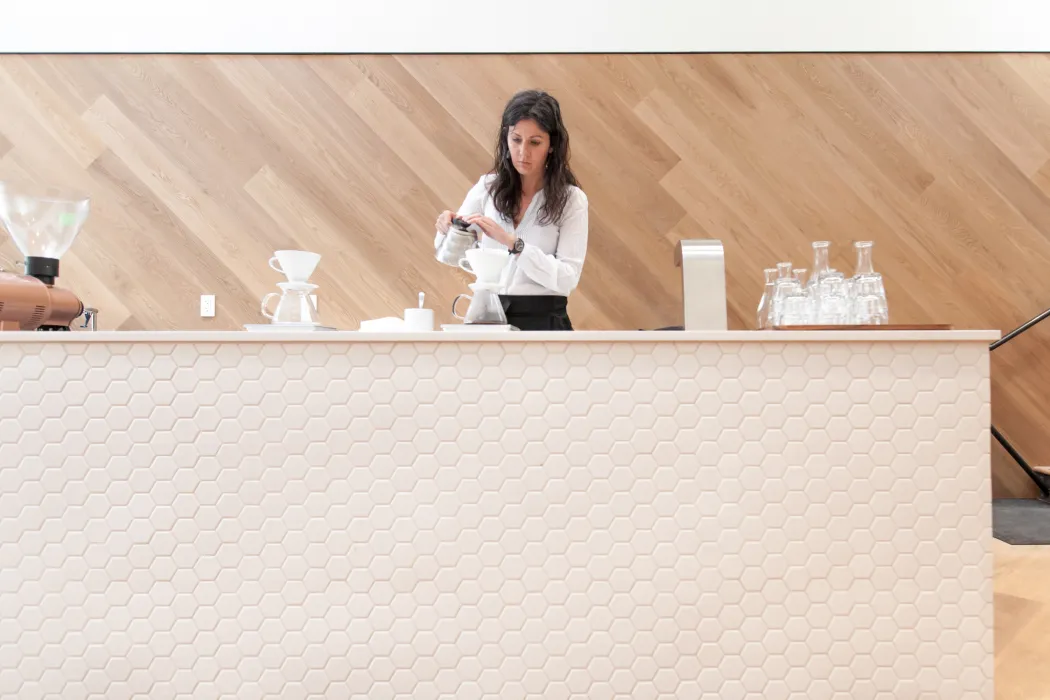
column 781, row 288
column 294, row 307
column 865, row 264
column 868, row 295
column 765, row 304
column 485, row 306
column 821, row 261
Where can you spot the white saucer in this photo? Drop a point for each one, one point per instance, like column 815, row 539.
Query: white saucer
column 477, row 327
column 285, row 327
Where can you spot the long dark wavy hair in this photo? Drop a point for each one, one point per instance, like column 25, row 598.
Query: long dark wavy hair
column 505, row 188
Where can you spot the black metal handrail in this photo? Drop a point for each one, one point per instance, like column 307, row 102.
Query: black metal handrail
column 1037, row 479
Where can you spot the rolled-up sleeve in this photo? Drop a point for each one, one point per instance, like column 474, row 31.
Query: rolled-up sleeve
column 473, row 203
column 560, row 272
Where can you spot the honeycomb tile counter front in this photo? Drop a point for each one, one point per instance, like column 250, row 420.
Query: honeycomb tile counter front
column 452, row 517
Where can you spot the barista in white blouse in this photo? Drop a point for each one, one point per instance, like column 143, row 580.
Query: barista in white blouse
column 531, row 205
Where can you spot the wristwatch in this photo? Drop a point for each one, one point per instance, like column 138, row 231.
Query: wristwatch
column 519, row 245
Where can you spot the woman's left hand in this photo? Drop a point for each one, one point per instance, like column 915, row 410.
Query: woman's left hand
column 491, row 229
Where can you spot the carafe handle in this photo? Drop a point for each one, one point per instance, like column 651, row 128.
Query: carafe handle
column 265, row 300
column 458, row 297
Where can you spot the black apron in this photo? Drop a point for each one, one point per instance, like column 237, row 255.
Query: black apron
column 536, row 313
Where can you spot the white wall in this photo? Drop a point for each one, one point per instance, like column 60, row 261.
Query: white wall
column 535, row 26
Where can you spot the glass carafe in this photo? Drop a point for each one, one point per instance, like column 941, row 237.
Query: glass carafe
column 781, row 289
column 865, row 262
column 765, row 304
column 485, row 306
column 867, row 293
column 294, row 307
column 821, row 261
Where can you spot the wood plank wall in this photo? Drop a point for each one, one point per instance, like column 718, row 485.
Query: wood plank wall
column 201, row 166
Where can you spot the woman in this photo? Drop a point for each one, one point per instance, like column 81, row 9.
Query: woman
column 531, row 205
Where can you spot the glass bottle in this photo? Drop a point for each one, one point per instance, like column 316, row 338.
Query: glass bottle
column 803, row 290
column 765, row 304
column 821, row 261
column 781, row 289
column 865, row 265
column 868, row 295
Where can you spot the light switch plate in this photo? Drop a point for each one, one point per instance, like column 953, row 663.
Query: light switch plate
column 207, row 306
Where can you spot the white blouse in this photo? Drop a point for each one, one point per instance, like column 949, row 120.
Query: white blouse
column 552, row 260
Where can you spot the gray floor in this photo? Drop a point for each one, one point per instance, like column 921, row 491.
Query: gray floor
column 1021, row 521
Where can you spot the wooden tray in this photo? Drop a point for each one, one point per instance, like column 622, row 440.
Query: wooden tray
column 887, row 327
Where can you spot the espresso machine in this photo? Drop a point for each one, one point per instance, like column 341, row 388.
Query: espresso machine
column 43, row 222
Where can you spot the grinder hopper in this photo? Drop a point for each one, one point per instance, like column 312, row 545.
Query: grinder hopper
column 43, row 222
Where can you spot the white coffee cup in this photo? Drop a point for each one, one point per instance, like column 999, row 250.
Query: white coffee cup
column 419, row 320
column 486, row 263
column 296, row 265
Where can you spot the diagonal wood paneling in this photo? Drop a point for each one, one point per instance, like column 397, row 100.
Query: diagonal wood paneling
column 201, row 166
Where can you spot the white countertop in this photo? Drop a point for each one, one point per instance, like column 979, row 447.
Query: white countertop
column 225, row 336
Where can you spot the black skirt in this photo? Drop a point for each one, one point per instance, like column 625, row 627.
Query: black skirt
column 536, row 313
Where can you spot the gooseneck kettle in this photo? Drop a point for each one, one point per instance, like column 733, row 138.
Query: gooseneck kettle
column 456, row 243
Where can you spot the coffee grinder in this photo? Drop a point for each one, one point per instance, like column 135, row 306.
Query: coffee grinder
column 43, row 222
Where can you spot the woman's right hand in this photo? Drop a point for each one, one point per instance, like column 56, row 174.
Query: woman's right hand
column 444, row 221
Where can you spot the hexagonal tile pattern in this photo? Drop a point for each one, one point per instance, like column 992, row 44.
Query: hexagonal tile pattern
column 453, row 520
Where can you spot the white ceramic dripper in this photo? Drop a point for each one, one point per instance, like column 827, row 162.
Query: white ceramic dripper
column 296, row 265
column 487, row 264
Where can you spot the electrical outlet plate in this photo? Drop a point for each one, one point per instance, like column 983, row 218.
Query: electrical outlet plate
column 207, row 305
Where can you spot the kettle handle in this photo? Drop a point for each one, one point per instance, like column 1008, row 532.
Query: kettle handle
column 458, row 296
column 263, row 308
